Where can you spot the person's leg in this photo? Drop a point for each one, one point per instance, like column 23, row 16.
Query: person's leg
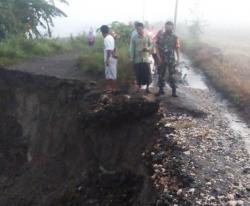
column 114, row 85
column 137, row 75
column 108, row 79
column 138, row 67
column 114, row 71
column 161, row 81
column 108, row 85
column 148, row 76
column 172, row 81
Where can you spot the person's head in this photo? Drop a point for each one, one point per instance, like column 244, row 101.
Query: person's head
column 169, row 26
column 105, row 30
column 136, row 24
column 140, row 29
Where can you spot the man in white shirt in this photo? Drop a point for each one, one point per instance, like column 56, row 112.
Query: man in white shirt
column 109, row 59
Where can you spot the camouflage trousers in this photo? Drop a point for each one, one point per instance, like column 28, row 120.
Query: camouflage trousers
column 166, row 72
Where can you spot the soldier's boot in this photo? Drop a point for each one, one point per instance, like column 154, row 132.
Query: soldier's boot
column 174, row 92
column 161, row 92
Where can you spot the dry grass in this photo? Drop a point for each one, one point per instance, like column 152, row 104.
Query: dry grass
column 227, row 64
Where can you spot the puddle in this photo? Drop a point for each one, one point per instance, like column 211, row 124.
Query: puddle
column 239, row 127
column 192, row 78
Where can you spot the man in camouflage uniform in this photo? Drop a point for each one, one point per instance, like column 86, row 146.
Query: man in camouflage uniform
column 167, row 44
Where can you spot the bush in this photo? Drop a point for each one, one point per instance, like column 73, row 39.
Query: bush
column 17, row 48
column 92, row 63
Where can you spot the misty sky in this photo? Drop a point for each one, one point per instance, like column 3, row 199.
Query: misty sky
column 82, row 14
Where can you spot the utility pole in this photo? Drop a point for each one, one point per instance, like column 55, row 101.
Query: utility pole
column 143, row 10
column 176, row 12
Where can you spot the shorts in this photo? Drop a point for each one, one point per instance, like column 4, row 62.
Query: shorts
column 111, row 70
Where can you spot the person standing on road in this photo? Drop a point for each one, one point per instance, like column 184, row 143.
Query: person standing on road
column 167, row 45
column 109, row 59
column 141, row 47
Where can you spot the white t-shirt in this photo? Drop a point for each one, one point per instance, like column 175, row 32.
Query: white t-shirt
column 109, row 44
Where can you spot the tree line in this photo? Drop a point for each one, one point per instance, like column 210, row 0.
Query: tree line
column 25, row 17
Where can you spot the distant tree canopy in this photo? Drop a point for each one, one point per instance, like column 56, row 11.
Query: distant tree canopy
column 123, row 31
column 26, row 16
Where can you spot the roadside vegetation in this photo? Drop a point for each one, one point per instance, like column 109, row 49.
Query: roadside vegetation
column 18, row 48
column 25, row 29
column 225, row 61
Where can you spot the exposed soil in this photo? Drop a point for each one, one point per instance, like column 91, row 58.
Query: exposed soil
column 60, row 134
column 65, row 143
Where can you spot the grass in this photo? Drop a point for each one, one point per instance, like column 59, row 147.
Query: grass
column 228, row 69
column 17, row 48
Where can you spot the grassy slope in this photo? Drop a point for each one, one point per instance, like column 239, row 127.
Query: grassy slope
column 16, row 48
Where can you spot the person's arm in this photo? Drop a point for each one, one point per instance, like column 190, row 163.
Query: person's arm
column 132, row 49
column 178, row 50
column 150, row 45
column 158, row 52
column 109, row 54
column 158, row 55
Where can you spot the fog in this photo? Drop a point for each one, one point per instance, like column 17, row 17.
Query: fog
column 83, row 14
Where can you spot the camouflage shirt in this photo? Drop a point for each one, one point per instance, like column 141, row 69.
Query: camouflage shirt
column 167, row 43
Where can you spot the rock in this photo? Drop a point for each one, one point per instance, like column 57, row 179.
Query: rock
column 230, row 196
column 240, row 202
column 246, row 171
column 232, row 203
column 179, row 192
column 167, row 125
column 192, row 190
column 208, row 183
column 187, row 153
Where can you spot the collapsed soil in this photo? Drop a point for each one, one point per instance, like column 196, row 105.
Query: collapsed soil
column 58, row 134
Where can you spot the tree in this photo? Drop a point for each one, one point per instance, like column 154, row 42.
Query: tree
column 21, row 16
column 123, row 31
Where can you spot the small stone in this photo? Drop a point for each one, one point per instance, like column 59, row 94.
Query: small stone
column 232, row 203
column 208, row 183
column 246, row 170
column 192, row 190
column 230, row 196
column 179, row 192
column 167, row 125
column 187, row 153
column 240, row 202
